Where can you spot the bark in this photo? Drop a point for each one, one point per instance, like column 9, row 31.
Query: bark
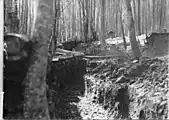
column 131, row 28
column 35, row 99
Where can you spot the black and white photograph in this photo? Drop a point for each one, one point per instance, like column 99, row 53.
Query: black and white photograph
column 84, row 59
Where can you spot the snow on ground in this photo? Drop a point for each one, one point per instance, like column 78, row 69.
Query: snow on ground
column 119, row 40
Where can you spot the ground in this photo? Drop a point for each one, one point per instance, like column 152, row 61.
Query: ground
column 116, row 89
column 112, row 88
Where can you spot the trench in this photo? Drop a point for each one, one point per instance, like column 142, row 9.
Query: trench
column 67, row 94
column 85, row 90
column 69, row 84
column 74, row 95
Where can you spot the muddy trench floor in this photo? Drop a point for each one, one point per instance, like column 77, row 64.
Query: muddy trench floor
column 76, row 104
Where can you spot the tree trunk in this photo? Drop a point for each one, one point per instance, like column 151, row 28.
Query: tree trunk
column 80, row 20
column 102, row 21
column 73, row 20
column 35, row 99
column 135, row 15
column 131, row 28
column 57, row 25
column 139, row 25
column 122, row 29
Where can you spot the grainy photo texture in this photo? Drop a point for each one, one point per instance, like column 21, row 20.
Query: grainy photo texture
column 85, row 59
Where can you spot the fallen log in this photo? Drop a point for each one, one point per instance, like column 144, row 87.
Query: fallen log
column 104, row 57
column 68, row 52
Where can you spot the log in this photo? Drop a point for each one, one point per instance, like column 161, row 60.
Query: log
column 104, row 57
column 69, row 52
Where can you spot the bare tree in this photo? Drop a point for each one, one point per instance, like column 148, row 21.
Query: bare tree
column 131, row 28
column 122, row 28
column 139, row 27
column 102, row 32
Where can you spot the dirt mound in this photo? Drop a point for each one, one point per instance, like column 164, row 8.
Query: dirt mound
column 95, row 48
column 157, row 45
column 125, row 89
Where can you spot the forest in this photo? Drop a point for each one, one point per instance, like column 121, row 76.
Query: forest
column 86, row 59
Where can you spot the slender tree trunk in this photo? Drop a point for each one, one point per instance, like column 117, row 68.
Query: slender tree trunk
column 139, row 24
column 131, row 28
column 142, row 17
column 122, row 29
column 116, row 19
column 80, row 20
column 97, row 19
column 135, row 15
column 94, row 14
column 153, row 2
column 57, row 22
column 89, row 19
column 161, row 15
column 35, row 99
column 73, row 20
column 102, row 21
